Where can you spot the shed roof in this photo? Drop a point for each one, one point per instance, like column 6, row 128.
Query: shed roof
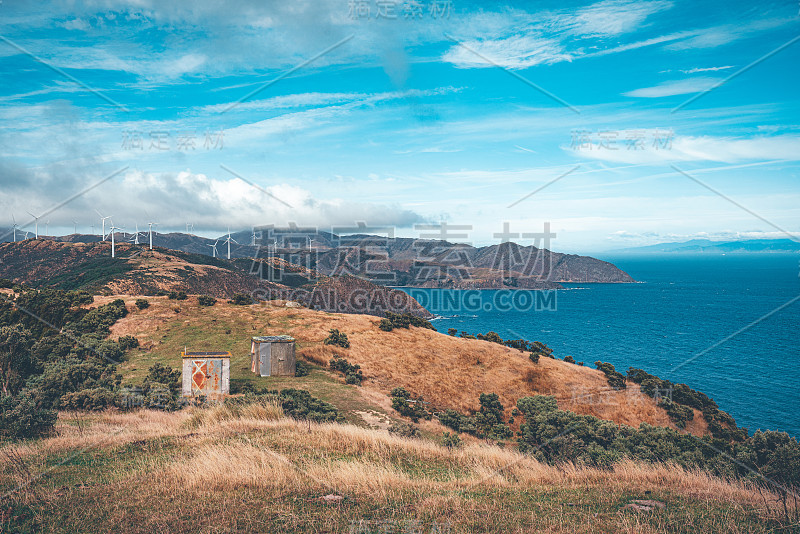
column 224, row 354
column 273, row 339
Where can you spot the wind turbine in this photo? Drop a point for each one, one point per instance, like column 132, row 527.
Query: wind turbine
column 46, row 230
column 14, row 227
column 74, row 226
column 150, row 231
column 228, row 240
column 103, row 219
column 136, row 235
column 214, row 249
column 189, row 226
column 113, row 244
column 37, row 224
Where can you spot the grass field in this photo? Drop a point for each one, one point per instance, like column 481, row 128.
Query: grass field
column 448, row 372
column 214, row 470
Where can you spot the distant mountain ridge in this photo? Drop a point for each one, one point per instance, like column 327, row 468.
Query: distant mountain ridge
column 138, row 271
column 397, row 261
column 720, row 247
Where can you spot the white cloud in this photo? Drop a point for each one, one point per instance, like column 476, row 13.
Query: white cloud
column 675, row 87
column 615, row 17
column 701, row 148
column 515, row 52
column 706, row 69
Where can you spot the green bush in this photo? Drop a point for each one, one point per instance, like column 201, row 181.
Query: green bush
column 534, row 357
column 206, row 300
column 452, row 332
column 351, row 372
column 128, row 342
column 336, row 338
column 615, row 379
column 401, row 392
column 241, row 299
column 142, row 304
column 299, row 404
column 93, row 399
column 164, row 375
column 408, row 407
column 22, row 416
column 494, row 337
column 569, row 359
column 301, row 368
column 403, row 320
column 451, row 441
column 678, row 413
column 406, row 430
column 177, row 295
column 457, row 421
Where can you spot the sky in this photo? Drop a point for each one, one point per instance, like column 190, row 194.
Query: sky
column 619, row 123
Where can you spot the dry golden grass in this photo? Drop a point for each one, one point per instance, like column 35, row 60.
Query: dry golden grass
column 249, row 458
column 449, row 372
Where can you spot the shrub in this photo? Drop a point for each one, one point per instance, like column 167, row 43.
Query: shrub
column 678, row 413
column 457, row 421
column 127, row 342
column 415, row 409
column 352, row 373
column 534, row 357
column 301, row 368
column 6, row 284
column 336, row 338
column 451, row 441
column 22, row 416
column 93, row 399
column 206, row 300
column 241, row 299
column 142, row 304
column 407, row 430
column 299, row 404
column 176, row 295
column 164, row 375
column 494, row 337
column 615, row 379
column 452, row 332
column 401, row 392
column 569, row 359
column 490, row 413
column 403, row 320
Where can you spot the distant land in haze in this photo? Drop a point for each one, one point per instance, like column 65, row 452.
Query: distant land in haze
column 744, row 246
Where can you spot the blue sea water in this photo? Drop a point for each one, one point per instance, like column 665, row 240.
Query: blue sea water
column 707, row 321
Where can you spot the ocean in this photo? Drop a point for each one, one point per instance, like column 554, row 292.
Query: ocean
column 723, row 324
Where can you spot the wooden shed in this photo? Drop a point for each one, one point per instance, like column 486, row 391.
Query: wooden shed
column 206, row 373
column 273, row 356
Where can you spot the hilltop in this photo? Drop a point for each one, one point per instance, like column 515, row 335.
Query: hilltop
column 395, row 261
column 139, row 271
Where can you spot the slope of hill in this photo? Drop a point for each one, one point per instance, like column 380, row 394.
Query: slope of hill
column 257, row 471
column 403, row 261
column 138, row 271
column 448, row 372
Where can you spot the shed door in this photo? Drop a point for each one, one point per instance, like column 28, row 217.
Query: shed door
column 214, row 376
column 199, row 376
column 265, row 358
column 206, row 376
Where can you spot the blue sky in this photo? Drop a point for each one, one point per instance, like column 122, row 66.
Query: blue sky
column 399, row 115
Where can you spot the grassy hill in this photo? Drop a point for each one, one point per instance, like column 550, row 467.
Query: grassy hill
column 448, row 372
column 253, row 470
column 139, row 271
